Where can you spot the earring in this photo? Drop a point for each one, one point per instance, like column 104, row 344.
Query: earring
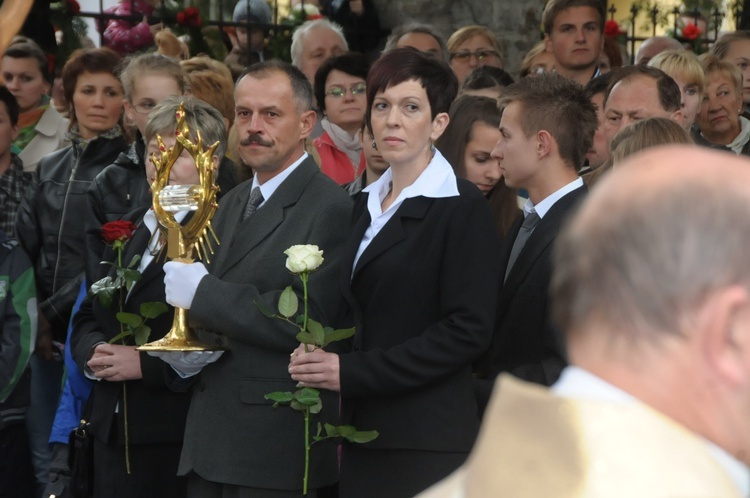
column 432, row 146
column 374, row 144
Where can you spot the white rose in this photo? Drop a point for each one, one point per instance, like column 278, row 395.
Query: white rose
column 303, row 258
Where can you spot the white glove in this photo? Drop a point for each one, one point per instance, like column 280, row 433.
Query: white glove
column 187, row 363
column 181, row 281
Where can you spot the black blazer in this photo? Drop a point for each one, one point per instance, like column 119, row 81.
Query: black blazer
column 423, row 295
column 524, row 342
column 155, row 413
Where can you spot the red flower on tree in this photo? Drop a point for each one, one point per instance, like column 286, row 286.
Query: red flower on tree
column 73, row 7
column 190, row 17
column 117, row 231
column 691, row 31
column 612, row 29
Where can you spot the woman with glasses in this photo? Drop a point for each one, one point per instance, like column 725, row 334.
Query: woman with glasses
column 420, row 273
column 147, row 79
column 473, row 46
column 340, row 92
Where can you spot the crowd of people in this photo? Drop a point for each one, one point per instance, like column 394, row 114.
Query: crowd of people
column 540, row 308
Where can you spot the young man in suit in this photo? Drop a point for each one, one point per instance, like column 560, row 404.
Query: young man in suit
column 547, row 126
column 574, row 34
column 236, row 443
column 654, row 298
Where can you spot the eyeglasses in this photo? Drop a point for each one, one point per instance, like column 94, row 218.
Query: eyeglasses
column 339, row 91
column 144, row 108
column 481, row 55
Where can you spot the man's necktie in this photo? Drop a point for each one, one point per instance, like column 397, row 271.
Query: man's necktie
column 252, row 203
column 527, row 227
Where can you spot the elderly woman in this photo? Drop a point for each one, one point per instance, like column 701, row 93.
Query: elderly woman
column 721, row 123
column 467, row 145
column 340, row 92
column 734, row 48
column 685, row 69
column 420, row 273
column 41, row 129
column 473, row 46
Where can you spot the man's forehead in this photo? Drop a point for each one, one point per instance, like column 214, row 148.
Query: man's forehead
column 322, row 35
column 634, row 89
column 577, row 15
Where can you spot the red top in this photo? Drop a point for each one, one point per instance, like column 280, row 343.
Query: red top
column 335, row 163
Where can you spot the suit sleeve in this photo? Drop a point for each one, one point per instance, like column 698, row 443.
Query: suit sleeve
column 228, row 308
column 468, row 288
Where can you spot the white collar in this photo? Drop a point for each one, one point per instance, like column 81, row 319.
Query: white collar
column 549, row 201
column 437, row 180
column 270, row 186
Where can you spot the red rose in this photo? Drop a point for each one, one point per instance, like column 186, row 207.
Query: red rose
column 612, row 29
column 691, row 31
column 181, row 18
column 314, row 16
column 73, row 7
column 113, row 231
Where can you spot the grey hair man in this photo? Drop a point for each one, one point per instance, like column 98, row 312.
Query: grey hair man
column 423, row 37
column 315, row 41
column 654, row 297
column 651, row 47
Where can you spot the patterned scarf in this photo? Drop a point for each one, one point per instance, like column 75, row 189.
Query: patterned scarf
column 27, row 124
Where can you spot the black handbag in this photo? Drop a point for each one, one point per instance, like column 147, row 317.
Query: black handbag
column 81, row 461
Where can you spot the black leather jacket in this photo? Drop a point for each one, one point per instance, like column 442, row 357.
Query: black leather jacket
column 50, row 224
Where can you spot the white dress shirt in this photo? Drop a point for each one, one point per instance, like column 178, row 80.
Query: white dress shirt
column 436, row 181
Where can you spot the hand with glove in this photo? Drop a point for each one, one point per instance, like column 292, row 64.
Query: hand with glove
column 187, row 363
column 181, row 281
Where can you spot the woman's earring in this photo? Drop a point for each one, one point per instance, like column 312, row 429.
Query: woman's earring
column 374, row 144
column 432, row 146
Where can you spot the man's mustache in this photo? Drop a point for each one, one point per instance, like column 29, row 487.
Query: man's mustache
column 254, row 138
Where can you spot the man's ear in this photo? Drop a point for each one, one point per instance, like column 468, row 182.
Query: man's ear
column 545, row 143
column 547, row 43
column 723, row 328
column 307, row 123
column 14, row 132
column 439, row 124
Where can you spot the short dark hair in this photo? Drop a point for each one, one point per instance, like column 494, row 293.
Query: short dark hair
column 559, row 106
column 301, row 88
column 670, row 96
column 353, row 64
column 88, row 60
column 554, row 7
column 600, row 83
column 486, row 77
column 11, row 104
column 405, row 64
column 30, row 50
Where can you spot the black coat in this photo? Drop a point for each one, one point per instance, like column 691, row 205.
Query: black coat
column 525, row 343
column 155, row 413
column 423, row 295
column 50, row 224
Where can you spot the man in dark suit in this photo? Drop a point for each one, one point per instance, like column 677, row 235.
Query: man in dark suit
column 236, row 443
column 547, row 127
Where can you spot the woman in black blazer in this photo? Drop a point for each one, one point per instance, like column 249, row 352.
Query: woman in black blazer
column 155, row 414
column 421, row 277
